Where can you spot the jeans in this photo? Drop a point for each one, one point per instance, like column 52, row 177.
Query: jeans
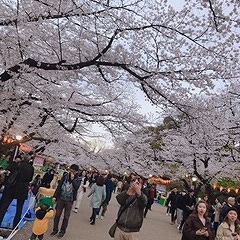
column 94, row 213
column 104, row 209
column 67, row 207
column 173, row 214
column 179, row 215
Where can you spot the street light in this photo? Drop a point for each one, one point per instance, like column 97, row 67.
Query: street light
column 18, row 138
column 194, row 179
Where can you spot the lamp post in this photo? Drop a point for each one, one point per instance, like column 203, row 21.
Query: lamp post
column 194, row 179
column 18, row 138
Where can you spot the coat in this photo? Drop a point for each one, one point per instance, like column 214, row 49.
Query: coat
column 40, row 226
column 224, row 233
column 172, row 199
column 192, row 224
column 20, row 190
column 98, row 195
column 131, row 219
column 109, row 189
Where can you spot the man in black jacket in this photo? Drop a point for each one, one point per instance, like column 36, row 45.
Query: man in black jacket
column 172, row 199
column 130, row 221
column 223, row 212
column 189, row 202
column 19, row 189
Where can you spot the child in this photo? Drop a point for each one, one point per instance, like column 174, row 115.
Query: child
column 40, row 225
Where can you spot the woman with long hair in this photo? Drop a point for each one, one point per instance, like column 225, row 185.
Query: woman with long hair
column 198, row 225
column 229, row 229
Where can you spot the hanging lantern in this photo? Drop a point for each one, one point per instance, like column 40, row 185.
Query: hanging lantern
column 236, row 190
column 214, row 186
column 221, row 188
column 229, row 189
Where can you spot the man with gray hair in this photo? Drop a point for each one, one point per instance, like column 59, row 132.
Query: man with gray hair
column 223, row 213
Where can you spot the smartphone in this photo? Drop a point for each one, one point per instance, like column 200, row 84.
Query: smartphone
column 136, row 181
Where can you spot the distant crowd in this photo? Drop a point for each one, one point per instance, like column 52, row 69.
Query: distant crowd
column 204, row 219
column 196, row 220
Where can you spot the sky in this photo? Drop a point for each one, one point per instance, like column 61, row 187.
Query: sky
column 146, row 108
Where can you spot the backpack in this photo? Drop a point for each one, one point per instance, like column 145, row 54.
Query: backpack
column 66, row 190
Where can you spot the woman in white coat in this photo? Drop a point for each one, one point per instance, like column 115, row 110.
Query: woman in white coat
column 229, row 229
column 82, row 189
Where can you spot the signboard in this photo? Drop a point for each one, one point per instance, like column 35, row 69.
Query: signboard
column 38, row 161
column 161, row 188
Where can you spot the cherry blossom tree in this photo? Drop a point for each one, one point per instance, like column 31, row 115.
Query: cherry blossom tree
column 204, row 143
column 68, row 64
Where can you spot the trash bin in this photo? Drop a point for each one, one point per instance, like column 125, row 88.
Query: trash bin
column 162, row 201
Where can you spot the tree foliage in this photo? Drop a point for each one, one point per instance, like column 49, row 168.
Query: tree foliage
column 68, row 64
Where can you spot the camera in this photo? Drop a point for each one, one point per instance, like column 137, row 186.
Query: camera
column 136, row 180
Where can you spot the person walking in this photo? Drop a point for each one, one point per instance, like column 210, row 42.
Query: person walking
column 110, row 186
column 98, row 193
column 217, row 209
column 172, row 199
column 65, row 195
column 180, row 207
column 198, row 225
column 19, row 190
column 151, row 193
column 229, row 229
column 82, row 189
column 119, row 186
column 189, row 202
column 130, row 221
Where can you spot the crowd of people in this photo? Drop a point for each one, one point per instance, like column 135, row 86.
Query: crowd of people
column 196, row 220
column 203, row 219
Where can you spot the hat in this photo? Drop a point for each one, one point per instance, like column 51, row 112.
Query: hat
column 232, row 209
column 40, row 214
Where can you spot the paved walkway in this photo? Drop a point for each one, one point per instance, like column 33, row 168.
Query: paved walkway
column 156, row 225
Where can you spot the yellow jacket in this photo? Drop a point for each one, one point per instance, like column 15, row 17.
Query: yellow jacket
column 40, row 226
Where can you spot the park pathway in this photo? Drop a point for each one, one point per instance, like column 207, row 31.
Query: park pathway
column 156, row 225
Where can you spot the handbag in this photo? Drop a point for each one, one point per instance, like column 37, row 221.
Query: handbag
column 113, row 228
